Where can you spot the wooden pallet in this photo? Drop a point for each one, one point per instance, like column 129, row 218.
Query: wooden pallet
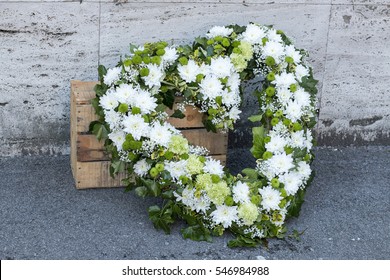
column 89, row 161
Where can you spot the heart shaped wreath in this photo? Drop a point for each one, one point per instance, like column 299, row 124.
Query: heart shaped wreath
column 131, row 101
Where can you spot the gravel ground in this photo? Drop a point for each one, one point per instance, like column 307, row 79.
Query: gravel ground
column 43, row 216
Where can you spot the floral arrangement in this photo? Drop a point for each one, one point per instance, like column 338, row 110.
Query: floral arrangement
column 132, row 99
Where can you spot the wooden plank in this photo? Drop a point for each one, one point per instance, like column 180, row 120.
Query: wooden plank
column 193, row 118
column 90, row 149
column 216, row 143
column 84, row 91
column 85, row 115
column 96, row 175
column 221, row 158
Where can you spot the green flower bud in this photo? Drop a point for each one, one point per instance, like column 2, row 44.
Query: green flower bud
column 133, row 157
column 160, row 167
column 255, row 199
column 137, row 59
column 279, row 113
column 183, row 179
column 270, row 91
column 225, row 42
column 127, row 62
column 160, row 52
column 289, row 59
column 183, row 60
column 286, row 122
column 210, row 42
column 129, row 137
column 236, row 50
column 235, row 44
column 126, row 146
column 153, row 172
column 135, row 145
column 229, row 201
column 123, row 108
column 288, row 150
column 146, row 118
column 269, row 113
column 267, row 139
column 271, row 76
column 267, row 155
column 307, row 157
column 168, row 155
column 144, row 72
column 156, row 60
column 264, row 41
column 135, row 110
column 218, row 38
column 274, row 121
column 275, row 183
column 297, row 126
column 215, row 178
column 202, row 159
column 146, row 59
column 282, row 203
column 270, row 61
column 293, row 88
column 199, row 78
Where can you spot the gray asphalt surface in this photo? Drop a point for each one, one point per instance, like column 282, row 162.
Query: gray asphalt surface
column 346, row 214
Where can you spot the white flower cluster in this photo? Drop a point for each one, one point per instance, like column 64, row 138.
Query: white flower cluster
column 141, row 135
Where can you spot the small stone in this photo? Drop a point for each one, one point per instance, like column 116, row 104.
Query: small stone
column 260, row 258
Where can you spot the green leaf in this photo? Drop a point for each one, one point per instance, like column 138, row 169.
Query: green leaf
column 154, row 189
column 210, row 126
column 251, row 173
column 196, row 233
column 102, row 71
column 178, row 114
column 255, row 118
column 168, row 99
column 242, row 241
column 258, row 141
column 118, row 166
column 100, row 131
column 161, row 218
column 141, row 191
column 296, row 203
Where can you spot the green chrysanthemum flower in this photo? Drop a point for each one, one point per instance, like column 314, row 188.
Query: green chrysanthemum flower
column 218, row 192
column 248, row 213
column 178, row 145
column 194, row 165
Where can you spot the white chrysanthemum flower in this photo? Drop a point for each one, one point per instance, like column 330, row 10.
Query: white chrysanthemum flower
column 211, row 87
column 202, row 203
column 280, row 163
column 273, row 49
column 284, row 95
column 160, row 134
column 219, row 31
column 292, row 181
column 234, row 113
column 270, row 198
column 293, row 53
column 118, row 137
column 125, row 93
column 113, row 118
column 234, row 82
column 156, row 75
column 241, row 193
column 298, row 139
column 300, row 72
column 176, row 169
column 272, row 35
column 276, row 145
column 304, row 170
column 225, row 215
column 141, row 168
column 293, row 111
column 302, row 97
column 253, row 34
column 284, row 79
column 109, row 101
column 136, row 126
column 213, row 166
column 186, row 197
column 221, row 67
column 112, row 76
column 230, row 98
column 145, row 101
column 170, row 56
column 309, row 140
column 189, row 72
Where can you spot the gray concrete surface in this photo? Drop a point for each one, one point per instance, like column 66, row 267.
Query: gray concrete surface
column 345, row 215
column 44, row 44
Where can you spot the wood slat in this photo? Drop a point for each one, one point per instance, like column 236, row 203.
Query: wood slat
column 96, row 175
column 216, row 143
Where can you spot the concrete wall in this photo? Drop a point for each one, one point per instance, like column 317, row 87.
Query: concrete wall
column 45, row 44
